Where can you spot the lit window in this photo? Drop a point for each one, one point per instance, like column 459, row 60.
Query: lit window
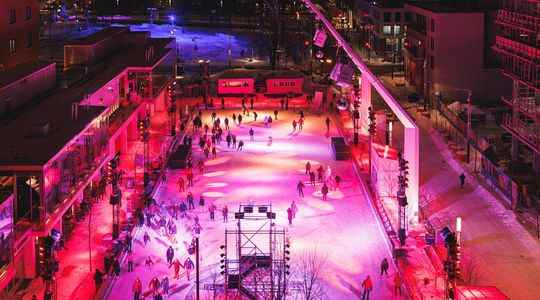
column 28, row 13
column 387, row 29
column 12, row 16
column 12, row 46
column 397, row 29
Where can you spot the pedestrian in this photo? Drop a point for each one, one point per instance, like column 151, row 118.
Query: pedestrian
column 189, row 176
column 397, row 284
column 294, row 209
column 212, row 211
column 462, row 180
column 226, row 121
column 128, row 242
column 188, row 266
column 181, row 184
column 201, row 200
column 255, row 115
column 154, row 285
column 165, row 286
column 191, row 204
column 308, row 167
column 240, row 145
column 176, row 265
column 294, row 125
column 251, row 133
column 384, row 266
column 275, row 114
column 300, row 188
column 137, row 289
column 98, row 278
column 320, row 171
column 170, row 255
column 289, row 215
column 234, row 140
column 146, row 238
column 324, row 191
column 234, row 118
column 149, row 262
column 239, row 120
column 301, row 124
column 225, row 213
column 367, row 284
column 312, row 178
column 130, row 262
column 229, row 140
column 327, row 121
column 214, row 152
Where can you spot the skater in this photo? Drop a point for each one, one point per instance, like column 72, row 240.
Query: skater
column 255, row 115
column 397, row 284
column 130, row 262
column 191, row 205
column 201, row 200
column 154, row 285
column 269, row 141
column 229, row 140
column 289, row 215
column 320, row 171
column 189, row 176
column 367, row 284
column 214, row 152
column 308, row 167
column 301, row 124
column 128, row 242
column 251, row 133
column 234, row 140
column 170, row 255
column 226, row 121
column 251, row 105
column 137, row 289
column 462, row 180
column 176, row 265
column 225, row 213
column 269, row 121
column 213, row 116
column 149, row 262
column 200, row 166
column 384, row 267
column 294, row 209
column 188, row 266
column 234, row 118
column 327, row 121
column 275, row 114
column 146, row 238
column 312, row 178
column 337, row 179
column 300, row 187
column 181, row 184
column 294, row 125
column 239, row 120
column 212, row 210
column 324, row 191
column 240, row 145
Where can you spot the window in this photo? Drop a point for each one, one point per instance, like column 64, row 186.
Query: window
column 397, row 29
column 432, row 25
column 407, row 17
column 397, row 17
column 12, row 47
column 432, row 61
column 29, row 40
column 387, row 17
column 387, row 29
column 12, row 16
column 432, row 43
column 28, row 13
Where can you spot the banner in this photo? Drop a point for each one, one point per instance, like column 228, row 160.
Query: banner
column 320, row 38
column 342, row 74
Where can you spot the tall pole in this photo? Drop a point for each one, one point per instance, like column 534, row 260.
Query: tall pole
column 197, row 283
column 90, row 240
column 469, row 115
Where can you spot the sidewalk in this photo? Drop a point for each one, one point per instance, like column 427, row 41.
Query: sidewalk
column 496, row 247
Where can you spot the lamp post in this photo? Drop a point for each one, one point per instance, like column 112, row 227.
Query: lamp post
column 371, row 130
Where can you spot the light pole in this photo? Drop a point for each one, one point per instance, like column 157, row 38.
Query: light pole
column 371, row 130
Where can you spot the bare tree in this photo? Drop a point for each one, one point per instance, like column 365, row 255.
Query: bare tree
column 311, row 266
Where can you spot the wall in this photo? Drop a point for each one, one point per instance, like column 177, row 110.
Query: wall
column 20, row 31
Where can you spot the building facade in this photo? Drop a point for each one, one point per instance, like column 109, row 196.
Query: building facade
column 19, row 32
column 446, row 51
column 518, row 45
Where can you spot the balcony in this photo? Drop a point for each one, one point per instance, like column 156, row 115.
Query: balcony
column 523, row 21
column 519, row 61
column 528, row 133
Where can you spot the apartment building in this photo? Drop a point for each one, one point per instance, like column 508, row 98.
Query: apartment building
column 447, row 50
column 54, row 153
column 518, row 45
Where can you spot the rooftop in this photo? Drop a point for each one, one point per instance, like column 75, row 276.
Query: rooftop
column 98, row 36
column 21, row 71
column 388, row 3
column 457, row 6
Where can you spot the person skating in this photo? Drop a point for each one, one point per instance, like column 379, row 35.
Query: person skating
column 170, row 255
column 189, row 177
column 201, row 200
column 462, row 180
column 234, row 141
column 116, row 267
column 320, row 171
column 191, row 204
column 324, row 191
column 312, row 178
column 212, row 210
column 149, row 262
column 154, row 285
column 229, row 140
column 255, row 115
column 181, row 184
column 300, row 187
column 214, row 152
column 367, row 285
column 137, row 289
column 275, row 114
column 146, row 238
column 294, row 124
column 234, row 118
column 301, row 124
column 225, row 213
column 226, row 122
column 337, row 179
column 165, row 286
column 251, row 104
column 176, row 266
column 240, row 145
column 384, row 267
column 269, row 121
column 130, row 261
column 213, row 116
column 308, row 167
column 128, row 242
column 294, row 209
column 397, row 284
column 188, row 266
column 251, row 134
column 327, row 121
column 289, row 215
column 239, row 120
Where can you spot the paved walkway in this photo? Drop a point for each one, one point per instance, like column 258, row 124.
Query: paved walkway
column 343, row 230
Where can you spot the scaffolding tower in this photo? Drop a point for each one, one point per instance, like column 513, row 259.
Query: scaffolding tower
column 255, row 255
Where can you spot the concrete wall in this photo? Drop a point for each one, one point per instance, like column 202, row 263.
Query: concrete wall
column 23, row 90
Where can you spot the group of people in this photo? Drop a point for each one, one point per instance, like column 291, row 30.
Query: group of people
column 324, row 177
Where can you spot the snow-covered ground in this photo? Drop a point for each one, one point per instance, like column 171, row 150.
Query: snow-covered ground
column 343, row 229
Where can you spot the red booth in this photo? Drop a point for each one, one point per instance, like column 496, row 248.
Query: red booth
column 284, row 85
column 235, row 86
